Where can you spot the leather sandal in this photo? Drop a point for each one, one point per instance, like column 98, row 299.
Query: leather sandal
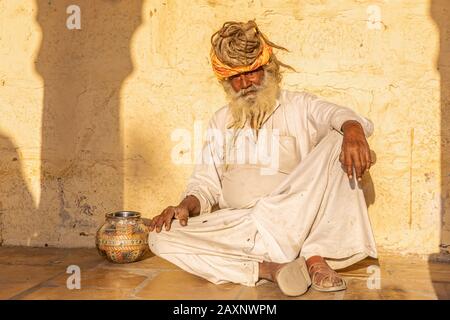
column 293, row 278
column 326, row 274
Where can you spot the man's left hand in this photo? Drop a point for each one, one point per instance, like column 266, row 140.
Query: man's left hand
column 355, row 150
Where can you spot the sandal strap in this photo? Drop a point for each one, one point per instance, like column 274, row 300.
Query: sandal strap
column 324, row 270
column 319, row 266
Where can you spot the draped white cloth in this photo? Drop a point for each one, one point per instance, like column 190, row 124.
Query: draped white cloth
column 292, row 198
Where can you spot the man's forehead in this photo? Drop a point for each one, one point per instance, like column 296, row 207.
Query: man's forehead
column 247, row 72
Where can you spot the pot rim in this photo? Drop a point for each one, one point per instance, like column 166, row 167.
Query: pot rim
column 125, row 214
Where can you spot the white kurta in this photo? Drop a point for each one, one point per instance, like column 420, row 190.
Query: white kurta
column 300, row 203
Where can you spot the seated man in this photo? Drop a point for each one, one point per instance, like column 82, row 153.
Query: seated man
column 293, row 215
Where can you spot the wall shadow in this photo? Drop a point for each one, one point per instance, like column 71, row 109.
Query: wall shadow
column 13, row 192
column 367, row 184
column 440, row 12
column 82, row 145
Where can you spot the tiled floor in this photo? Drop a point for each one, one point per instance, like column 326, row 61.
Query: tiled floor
column 40, row 273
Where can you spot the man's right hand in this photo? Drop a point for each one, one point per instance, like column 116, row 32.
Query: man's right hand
column 180, row 212
column 190, row 206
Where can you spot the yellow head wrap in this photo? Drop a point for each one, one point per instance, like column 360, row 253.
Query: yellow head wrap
column 240, row 47
column 224, row 71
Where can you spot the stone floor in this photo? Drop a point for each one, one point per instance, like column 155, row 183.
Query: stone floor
column 41, row 273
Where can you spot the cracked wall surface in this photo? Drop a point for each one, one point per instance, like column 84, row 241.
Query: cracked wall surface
column 88, row 114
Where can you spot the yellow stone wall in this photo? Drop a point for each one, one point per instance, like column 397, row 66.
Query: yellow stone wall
column 88, row 117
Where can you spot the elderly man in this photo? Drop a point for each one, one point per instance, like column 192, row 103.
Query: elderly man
column 293, row 215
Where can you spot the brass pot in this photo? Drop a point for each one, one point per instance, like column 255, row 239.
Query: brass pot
column 123, row 238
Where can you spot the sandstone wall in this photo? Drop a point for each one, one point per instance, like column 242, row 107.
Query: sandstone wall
column 88, row 116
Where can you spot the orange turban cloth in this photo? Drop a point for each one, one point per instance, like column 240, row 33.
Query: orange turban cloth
column 239, row 47
column 224, row 71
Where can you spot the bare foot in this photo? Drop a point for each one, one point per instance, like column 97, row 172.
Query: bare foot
column 322, row 276
column 268, row 270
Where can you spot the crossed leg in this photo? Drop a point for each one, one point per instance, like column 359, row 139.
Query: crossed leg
column 324, row 218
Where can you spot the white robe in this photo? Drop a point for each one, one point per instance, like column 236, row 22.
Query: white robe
column 301, row 203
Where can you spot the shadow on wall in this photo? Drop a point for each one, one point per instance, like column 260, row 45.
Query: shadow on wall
column 367, row 184
column 440, row 12
column 82, row 149
column 13, row 190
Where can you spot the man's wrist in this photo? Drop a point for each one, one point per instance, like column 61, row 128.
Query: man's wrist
column 351, row 124
column 191, row 203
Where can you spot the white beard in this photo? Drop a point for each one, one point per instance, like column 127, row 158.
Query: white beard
column 254, row 107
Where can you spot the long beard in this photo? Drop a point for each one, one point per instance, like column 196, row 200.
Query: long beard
column 254, row 107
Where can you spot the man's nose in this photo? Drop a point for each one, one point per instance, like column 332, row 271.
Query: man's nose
column 245, row 83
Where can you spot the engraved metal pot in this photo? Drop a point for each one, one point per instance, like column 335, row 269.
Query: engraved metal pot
column 123, row 238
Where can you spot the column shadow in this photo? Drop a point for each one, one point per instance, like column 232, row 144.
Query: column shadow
column 83, row 70
column 15, row 196
column 440, row 12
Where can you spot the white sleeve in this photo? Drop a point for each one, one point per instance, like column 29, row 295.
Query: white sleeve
column 325, row 115
column 205, row 181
